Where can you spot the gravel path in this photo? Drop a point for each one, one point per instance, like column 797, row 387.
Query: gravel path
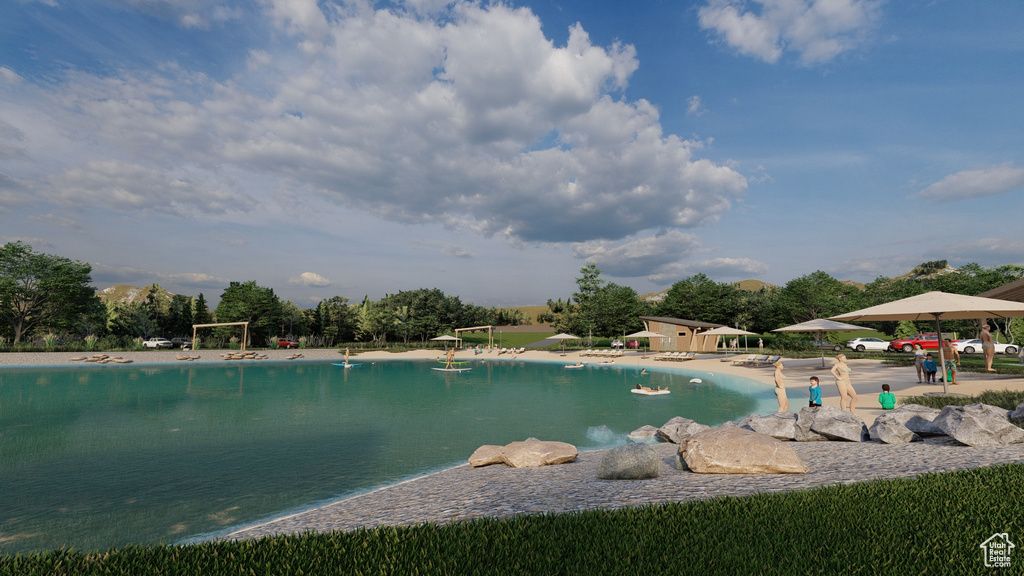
column 464, row 493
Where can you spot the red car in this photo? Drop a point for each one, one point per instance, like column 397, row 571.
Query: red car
column 286, row 343
column 925, row 341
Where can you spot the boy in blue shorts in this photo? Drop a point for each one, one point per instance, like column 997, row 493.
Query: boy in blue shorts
column 929, row 370
column 815, row 393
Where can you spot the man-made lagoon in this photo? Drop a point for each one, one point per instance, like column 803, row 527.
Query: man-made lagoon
column 98, row 456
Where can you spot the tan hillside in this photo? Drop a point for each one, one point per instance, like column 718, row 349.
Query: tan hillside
column 751, row 285
column 126, row 294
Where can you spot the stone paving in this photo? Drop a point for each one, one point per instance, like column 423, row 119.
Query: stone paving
column 464, row 493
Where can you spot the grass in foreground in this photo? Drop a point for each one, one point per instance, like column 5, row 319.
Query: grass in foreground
column 933, row 524
column 1008, row 399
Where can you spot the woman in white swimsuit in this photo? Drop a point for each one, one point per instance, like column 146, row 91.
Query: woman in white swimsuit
column 841, row 372
column 780, row 387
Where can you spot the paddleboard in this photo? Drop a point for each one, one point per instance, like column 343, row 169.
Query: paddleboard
column 695, row 380
column 649, row 392
column 452, row 369
column 572, row 366
column 345, row 365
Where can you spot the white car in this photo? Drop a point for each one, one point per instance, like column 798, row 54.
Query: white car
column 862, row 344
column 972, row 346
column 157, row 343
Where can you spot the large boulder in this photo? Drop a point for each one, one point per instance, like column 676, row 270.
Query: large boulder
column 802, row 429
column 891, row 429
column 781, row 425
column 645, row 434
column 629, row 462
column 486, row 455
column 734, row 450
column 678, row 429
column 979, row 425
column 908, row 423
column 537, row 453
column 836, row 424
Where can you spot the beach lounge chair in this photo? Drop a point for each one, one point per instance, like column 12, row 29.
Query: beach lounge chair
column 664, row 356
column 743, row 361
column 686, row 356
column 765, row 362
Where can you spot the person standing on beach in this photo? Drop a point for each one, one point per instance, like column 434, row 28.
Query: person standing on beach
column 919, row 361
column 780, row 387
column 948, row 353
column 841, row 372
column 815, row 401
column 987, row 348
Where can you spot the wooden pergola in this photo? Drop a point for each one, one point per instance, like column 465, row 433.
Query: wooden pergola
column 490, row 334
column 244, row 325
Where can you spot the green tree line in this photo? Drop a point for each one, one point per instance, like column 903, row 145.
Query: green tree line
column 44, row 296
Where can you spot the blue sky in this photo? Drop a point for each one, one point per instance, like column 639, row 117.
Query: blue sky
column 491, row 150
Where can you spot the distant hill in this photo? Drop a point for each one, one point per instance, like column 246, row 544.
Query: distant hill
column 928, row 270
column 126, row 294
column 751, row 285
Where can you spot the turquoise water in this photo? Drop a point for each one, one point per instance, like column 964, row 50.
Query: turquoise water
column 101, row 456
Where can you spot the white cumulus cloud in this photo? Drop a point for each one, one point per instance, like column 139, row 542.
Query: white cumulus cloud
column 816, row 30
column 310, row 279
column 968, row 184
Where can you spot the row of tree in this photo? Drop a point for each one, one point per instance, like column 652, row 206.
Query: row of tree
column 44, row 294
column 47, row 294
column 601, row 308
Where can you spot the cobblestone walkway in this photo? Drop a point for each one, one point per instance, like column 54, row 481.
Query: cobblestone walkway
column 464, row 493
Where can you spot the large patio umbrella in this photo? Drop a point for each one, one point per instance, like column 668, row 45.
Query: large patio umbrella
column 446, row 339
column 937, row 306
column 727, row 331
column 562, row 338
column 819, row 326
column 645, row 334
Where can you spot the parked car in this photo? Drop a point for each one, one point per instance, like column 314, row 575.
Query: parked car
column 287, row 343
column 181, row 342
column 862, row 344
column 826, row 345
column 157, row 343
column 970, row 346
column 926, row 341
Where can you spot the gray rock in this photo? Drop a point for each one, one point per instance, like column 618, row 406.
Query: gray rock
column 645, row 434
column 836, row 424
column 781, row 425
column 738, row 451
column 915, row 418
column 892, row 429
column 802, row 429
column 678, row 429
column 629, row 462
column 728, row 424
column 1018, row 414
column 979, row 425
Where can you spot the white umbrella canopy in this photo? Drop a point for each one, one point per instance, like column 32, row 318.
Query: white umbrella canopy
column 819, row 326
column 938, row 306
column 728, row 331
column 562, row 338
column 645, row 334
column 445, row 338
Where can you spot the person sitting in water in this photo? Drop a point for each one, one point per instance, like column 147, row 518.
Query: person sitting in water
column 643, row 372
